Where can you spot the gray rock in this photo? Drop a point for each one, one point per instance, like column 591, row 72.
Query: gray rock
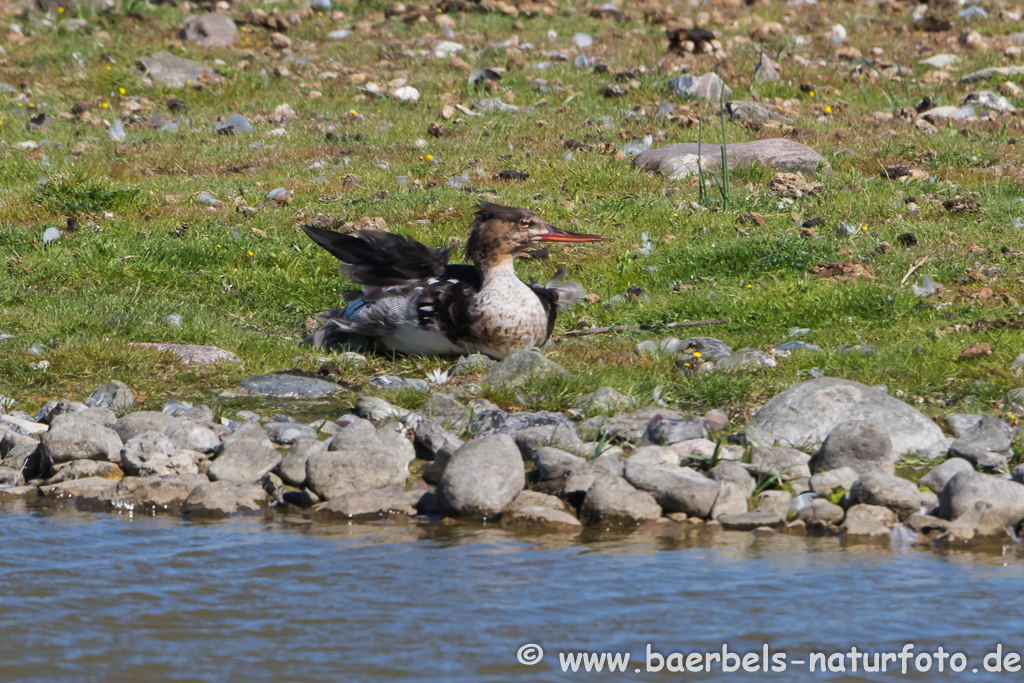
column 709, row 348
column 743, row 360
column 386, row 500
column 248, row 431
column 289, row 386
column 825, row 483
column 706, row 87
column 612, row 500
column 82, row 469
column 243, row 461
column 965, row 489
column 12, row 440
column 518, row 368
column 443, row 410
column 987, row 445
column 543, row 518
column 74, row 438
column 940, row 475
column 356, row 460
column 89, row 493
column 114, row 395
column 805, row 414
column 378, row 410
column 735, row 473
column 292, row 468
column 961, row 423
column 859, row 445
column 677, row 489
column 494, row 104
column 785, row 463
column 732, row 500
column 680, row 160
column 473, row 364
column 224, row 499
column 209, row 30
column 939, row 449
column 164, row 68
column 194, row 437
column 792, row 346
column 527, row 499
column 899, row 495
column 482, row 478
column 665, row 431
column 868, row 521
column 289, row 432
column 555, row 464
column 604, row 400
column 134, row 424
column 160, row 493
column 820, row 511
column 748, row 521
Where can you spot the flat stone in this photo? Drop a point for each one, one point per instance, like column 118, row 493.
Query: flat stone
column 744, row 360
column 748, row 521
column 224, row 499
column 680, row 160
column 377, row 502
column 543, row 518
column 192, row 354
column 134, row 424
column 289, row 386
column 753, row 111
column 164, row 68
column 163, row 493
column 805, row 414
column 992, row 72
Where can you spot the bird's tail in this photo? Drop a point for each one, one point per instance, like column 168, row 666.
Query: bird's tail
column 569, row 292
column 337, row 330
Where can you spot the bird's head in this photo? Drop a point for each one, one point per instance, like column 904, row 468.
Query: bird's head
column 499, row 232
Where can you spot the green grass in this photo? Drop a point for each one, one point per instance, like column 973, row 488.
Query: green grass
column 144, row 250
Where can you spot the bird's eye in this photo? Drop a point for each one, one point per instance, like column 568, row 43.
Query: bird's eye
column 523, row 223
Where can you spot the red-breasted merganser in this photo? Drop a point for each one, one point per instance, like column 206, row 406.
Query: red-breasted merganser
column 413, row 301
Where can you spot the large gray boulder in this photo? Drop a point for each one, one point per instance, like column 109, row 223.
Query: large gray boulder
column 209, row 30
column 1002, row 499
column 374, row 502
column 859, row 445
column 243, row 461
column 899, row 495
column 986, row 445
column 356, row 460
column 72, row 437
column 680, row 160
column 677, row 489
column 482, row 478
column 805, row 414
column 612, row 500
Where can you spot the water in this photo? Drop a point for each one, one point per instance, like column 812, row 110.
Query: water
column 101, row 597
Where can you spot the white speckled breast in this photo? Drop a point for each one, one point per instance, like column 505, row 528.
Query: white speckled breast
column 511, row 317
